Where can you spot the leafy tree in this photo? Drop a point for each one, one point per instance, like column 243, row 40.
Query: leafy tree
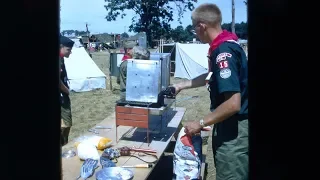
column 179, row 34
column 241, row 29
column 189, row 32
column 226, row 26
column 75, row 32
column 124, row 35
column 152, row 16
column 67, row 32
column 82, row 33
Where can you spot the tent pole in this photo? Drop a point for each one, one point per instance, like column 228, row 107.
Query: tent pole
column 110, row 78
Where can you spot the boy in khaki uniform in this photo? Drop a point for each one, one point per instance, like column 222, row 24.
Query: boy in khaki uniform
column 66, row 45
column 137, row 52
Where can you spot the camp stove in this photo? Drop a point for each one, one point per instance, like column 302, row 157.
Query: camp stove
column 146, row 79
column 146, row 92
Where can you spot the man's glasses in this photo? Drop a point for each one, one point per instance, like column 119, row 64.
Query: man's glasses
column 193, row 30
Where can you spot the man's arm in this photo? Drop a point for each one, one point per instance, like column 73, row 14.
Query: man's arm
column 231, row 106
column 194, row 83
column 62, row 86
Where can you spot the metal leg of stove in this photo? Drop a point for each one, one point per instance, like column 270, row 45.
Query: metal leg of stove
column 166, row 117
column 116, row 133
column 161, row 120
column 175, row 105
column 116, row 109
column 148, row 141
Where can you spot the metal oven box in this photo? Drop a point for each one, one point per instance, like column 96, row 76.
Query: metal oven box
column 165, row 67
column 143, row 80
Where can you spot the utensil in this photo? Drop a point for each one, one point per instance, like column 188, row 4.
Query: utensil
column 114, row 173
column 139, row 166
column 93, row 131
column 69, row 154
column 87, row 168
column 143, row 150
column 105, row 162
column 103, row 127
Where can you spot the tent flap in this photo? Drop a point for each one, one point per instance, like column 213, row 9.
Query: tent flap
column 191, row 60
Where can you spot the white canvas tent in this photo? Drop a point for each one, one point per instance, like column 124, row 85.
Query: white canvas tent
column 191, row 60
column 83, row 73
column 77, row 43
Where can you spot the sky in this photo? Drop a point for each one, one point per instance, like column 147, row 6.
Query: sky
column 76, row 13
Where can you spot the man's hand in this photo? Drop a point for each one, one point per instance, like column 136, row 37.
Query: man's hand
column 177, row 88
column 192, row 128
column 63, row 88
column 180, row 86
column 67, row 91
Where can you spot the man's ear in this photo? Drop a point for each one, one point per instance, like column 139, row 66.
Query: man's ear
column 202, row 26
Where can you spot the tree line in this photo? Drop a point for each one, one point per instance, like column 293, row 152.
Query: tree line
column 181, row 34
column 154, row 18
column 75, row 32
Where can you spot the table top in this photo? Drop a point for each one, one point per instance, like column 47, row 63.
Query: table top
column 131, row 137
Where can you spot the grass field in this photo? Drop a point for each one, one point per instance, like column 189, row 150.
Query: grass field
column 89, row 108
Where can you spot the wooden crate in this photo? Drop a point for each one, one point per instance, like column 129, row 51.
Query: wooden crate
column 131, row 116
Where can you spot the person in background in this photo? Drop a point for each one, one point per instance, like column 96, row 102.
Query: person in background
column 66, row 45
column 136, row 52
column 228, row 86
column 126, row 56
